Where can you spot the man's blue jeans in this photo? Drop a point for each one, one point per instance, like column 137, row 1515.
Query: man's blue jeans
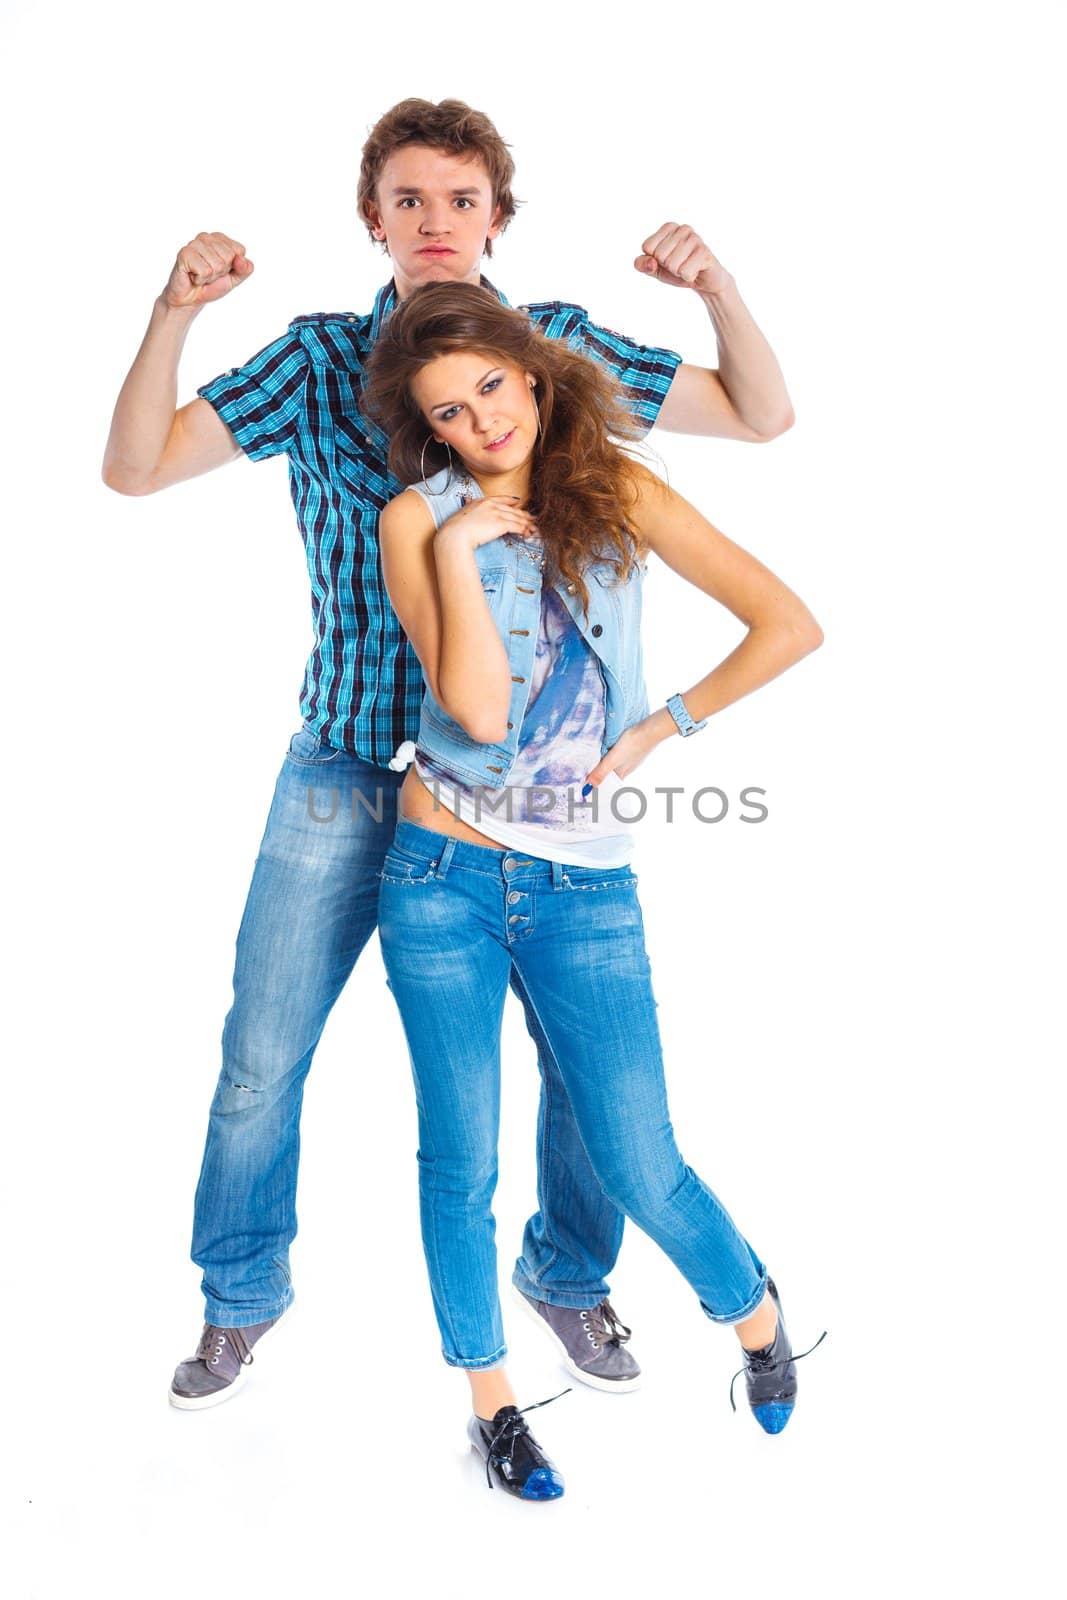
column 458, row 921
column 312, row 906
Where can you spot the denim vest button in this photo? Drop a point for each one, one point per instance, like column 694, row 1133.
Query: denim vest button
column 596, row 630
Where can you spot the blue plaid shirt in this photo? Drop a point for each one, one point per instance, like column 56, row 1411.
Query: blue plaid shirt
column 363, row 684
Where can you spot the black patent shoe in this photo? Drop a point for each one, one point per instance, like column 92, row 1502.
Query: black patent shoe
column 771, row 1375
column 513, row 1456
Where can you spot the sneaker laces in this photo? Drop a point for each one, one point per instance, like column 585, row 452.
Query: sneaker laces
column 511, row 1429
column 755, row 1362
column 214, row 1340
column 603, row 1322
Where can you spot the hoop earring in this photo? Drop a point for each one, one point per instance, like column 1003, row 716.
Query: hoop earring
column 422, row 466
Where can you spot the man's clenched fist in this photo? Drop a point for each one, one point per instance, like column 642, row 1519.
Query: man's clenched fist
column 676, row 255
column 206, row 268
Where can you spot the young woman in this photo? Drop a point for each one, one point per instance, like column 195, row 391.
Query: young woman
column 515, row 565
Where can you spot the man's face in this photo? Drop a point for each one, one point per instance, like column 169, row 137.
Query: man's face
column 434, row 212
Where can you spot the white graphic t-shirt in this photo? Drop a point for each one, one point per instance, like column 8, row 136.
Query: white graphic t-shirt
column 541, row 809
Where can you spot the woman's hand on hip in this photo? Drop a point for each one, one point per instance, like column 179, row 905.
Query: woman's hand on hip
column 482, row 521
column 628, row 751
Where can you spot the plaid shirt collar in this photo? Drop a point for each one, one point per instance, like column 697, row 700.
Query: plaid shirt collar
column 386, row 300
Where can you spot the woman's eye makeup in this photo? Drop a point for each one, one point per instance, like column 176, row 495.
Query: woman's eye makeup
column 453, row 411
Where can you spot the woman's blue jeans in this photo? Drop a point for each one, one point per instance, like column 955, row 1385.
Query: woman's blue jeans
column 312, row 906
column 458, row 921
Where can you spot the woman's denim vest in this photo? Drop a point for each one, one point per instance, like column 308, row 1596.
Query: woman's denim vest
column 510, row 570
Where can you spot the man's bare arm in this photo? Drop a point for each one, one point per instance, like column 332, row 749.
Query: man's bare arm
column 152, row 443
column 746, row 397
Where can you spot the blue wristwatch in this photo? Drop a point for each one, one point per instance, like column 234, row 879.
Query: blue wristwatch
column 686, row 725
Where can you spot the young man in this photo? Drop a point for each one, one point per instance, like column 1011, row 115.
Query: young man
column 435, row 190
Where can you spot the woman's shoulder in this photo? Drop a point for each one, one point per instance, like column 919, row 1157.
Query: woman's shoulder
column 408, row 513
column 434, row 486
column 649, row 489
column 439, row 496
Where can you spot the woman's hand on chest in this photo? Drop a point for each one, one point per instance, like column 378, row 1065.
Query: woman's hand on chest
column 481, row 521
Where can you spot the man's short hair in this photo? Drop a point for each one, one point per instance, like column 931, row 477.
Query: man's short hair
column 450, row 126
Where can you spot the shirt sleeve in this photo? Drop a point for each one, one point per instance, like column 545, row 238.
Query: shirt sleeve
column 645, row 372
column 262, row 402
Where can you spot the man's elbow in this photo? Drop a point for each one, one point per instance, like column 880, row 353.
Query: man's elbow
column 123, row 481
column 778, row 425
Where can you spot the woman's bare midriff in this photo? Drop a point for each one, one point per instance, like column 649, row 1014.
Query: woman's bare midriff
column 417, row 804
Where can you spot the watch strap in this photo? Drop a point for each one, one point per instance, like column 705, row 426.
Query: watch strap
column 686, row 725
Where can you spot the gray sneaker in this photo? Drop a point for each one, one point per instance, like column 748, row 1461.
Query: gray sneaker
column 590, row 1342
column 219, row 1367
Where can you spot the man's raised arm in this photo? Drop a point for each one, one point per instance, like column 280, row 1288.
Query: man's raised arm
column 152, row 444
column 746, row 397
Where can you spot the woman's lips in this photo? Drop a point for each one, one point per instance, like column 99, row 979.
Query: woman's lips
column 500, row 443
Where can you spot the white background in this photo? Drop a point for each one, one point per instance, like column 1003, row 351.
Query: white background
column 854, row 996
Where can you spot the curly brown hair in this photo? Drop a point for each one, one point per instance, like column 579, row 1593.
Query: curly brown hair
column 583, row 486
column 451, row 126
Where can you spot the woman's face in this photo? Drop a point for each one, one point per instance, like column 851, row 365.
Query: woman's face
column 482, row 407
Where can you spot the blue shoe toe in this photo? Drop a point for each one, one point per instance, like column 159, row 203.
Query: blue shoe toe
column 772, row 1417
column 544, row 1483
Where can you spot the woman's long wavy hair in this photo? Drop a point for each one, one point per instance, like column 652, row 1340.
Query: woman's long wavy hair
column 583, row 486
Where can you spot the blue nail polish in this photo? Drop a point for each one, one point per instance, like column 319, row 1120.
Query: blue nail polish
column 587, row 791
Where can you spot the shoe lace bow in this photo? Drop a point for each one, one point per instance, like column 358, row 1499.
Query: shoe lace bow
column 513, row 1428
column 605, row 1325
column 754, row 1362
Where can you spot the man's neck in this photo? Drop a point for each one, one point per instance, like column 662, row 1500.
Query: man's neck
column 405, row 285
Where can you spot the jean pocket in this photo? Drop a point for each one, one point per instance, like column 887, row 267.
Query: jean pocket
column 399, row 869
column 589, row 878
column 308, row 750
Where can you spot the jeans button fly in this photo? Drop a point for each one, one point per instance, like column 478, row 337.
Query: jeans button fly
column 514, row 897
column 509, row 865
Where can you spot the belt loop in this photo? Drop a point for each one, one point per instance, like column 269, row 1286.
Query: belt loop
column 559, row 875
column 446, row 857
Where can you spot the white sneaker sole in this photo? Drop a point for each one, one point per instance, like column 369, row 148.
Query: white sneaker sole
column 605, row 1385
column 204, row 1402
